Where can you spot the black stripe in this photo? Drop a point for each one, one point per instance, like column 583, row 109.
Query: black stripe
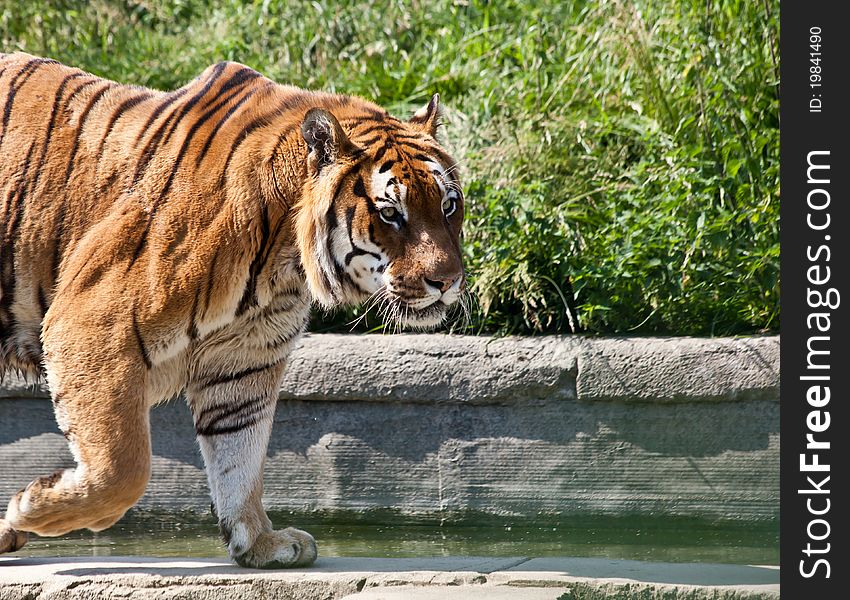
column 263, row 254
column 187, row 107
column 208, row 422
column 170, row 99
column 208, row 291
column 374, row 241
column 220, row 123
column 51, row 125
column 210, row 432
column 380, row 154
column 407, row 136
column 287, row 105
column 145, row 356
column 249, row 296
column 42, row 302
column 192, row 331
column 333, row 222
column 386, row 166
column 373, row 128
column 150, row 149
column 7, row 250
column 185, row 146
column 24, row 74
column 140, row 245
column 342, row 179
column 270, row 247
column 239, row 78
column 372, row 140
column 79, row 89
column 210, row 382
column 16, row 201
column 355, row 249
column 117, row 114
column 372, row 116
column 55, row 111
column 360, row 188
column 153, row 144
column 80, row 125
column 419, row 147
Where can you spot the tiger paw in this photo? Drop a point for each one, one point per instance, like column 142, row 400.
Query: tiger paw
column 10, row 538
column 288, row 547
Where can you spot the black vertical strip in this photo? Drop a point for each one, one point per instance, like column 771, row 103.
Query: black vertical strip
column 42, row 302
column 117, row 114
column 95, row 98
column 13, row 215
column 331, row 222
column 814, row 380
column 14, row 209
column 230, row 112
column 16, row 84
column 164, row 132
column 210, row 283
column 51, row 125
column 140, row 244
column 191, row 102
column 141, row 342
column 249, row 296
column 170, row 99
column 283, row 107
column 192, row 330
column 238, row 79
column 156, row 141
column 54, row 114
column 185, row 147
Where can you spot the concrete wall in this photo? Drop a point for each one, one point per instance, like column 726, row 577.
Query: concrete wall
column 444, row 427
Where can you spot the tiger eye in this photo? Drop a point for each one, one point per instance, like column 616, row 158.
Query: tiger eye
column 389, row 212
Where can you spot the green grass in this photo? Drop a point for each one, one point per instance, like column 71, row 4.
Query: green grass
column 620, row 158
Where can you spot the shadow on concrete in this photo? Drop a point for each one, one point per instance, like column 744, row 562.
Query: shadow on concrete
column 412, row 431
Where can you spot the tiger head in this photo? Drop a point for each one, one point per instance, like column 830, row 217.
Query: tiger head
column 380, row 216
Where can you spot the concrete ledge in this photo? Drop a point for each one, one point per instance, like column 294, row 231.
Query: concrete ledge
column 435, row 427
column 447, row 578
column 484, row 370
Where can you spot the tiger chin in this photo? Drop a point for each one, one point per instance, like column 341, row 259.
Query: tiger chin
column 155, row 243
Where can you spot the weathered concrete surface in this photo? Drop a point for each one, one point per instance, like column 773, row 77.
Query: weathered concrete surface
column 451, row 578
column 679, row 369
column 483, row 370
column 438, row 427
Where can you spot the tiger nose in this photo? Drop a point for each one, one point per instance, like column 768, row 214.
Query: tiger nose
column 443, row 283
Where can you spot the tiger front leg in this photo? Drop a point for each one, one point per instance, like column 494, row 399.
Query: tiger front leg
column 233, row 419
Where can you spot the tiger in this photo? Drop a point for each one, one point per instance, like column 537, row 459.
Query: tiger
column 164, row 243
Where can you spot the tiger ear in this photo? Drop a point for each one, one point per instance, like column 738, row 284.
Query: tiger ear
column 326, row 140
column 429, row 117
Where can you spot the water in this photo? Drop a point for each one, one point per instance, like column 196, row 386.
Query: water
column 649, row 540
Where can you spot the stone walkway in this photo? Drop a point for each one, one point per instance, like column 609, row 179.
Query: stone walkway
column 450, row 578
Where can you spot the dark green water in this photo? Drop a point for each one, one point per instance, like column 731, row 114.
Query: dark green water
column 650, row 540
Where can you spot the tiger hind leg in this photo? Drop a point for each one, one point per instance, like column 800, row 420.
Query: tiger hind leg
column 94, row 495
column 105, row 419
